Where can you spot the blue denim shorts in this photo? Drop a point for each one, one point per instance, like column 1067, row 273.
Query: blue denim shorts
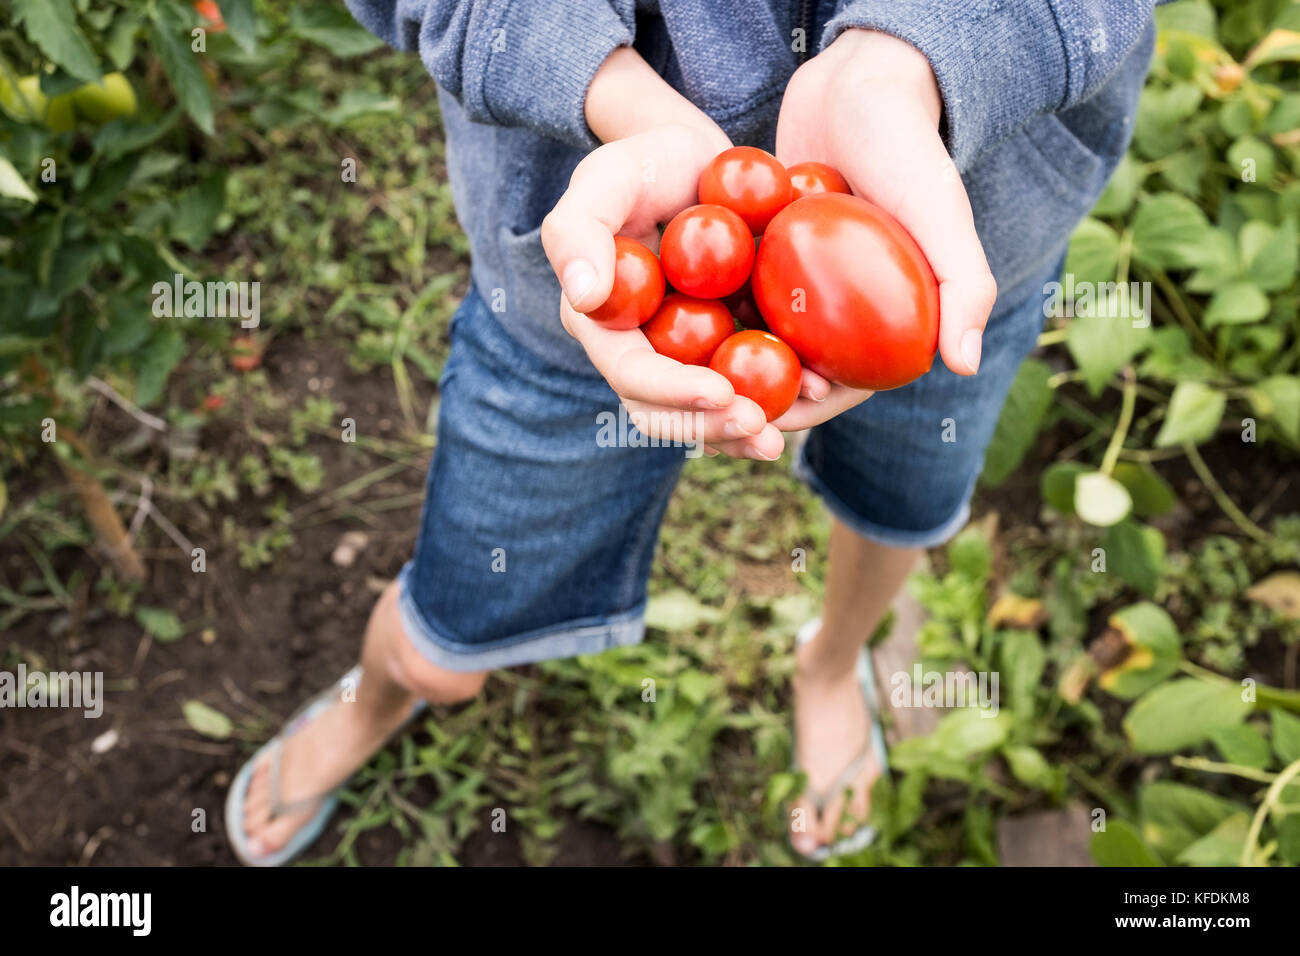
column 538, row 531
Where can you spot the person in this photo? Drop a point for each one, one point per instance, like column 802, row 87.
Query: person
column 987, row 128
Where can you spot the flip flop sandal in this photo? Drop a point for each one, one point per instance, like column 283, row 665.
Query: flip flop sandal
column 273, row 749
column 865, row 835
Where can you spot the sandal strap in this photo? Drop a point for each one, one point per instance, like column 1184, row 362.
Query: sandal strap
column 291, row 726
column 820, row 798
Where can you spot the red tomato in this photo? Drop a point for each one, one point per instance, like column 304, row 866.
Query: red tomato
column 762, row 367
column 741, row 304
column 638, row 287
column 850, row 290
column 809, row 179
column 689, row 330
column 247, row 353
column 209, row 11
column 749, row 182
column 707, row 252
column 213, row 402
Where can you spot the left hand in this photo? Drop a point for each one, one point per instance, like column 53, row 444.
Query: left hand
column 869, row 106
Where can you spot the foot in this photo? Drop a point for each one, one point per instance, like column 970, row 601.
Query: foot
column 832, row 726
column 320, row 756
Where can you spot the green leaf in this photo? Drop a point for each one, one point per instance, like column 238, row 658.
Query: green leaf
column 1057, row 485
column 160, row 624
column 1286, row 735
column 12, row 184
column 334, row 29
column 1253, row 160
column 1101, row 500
column 970, row 556
column 678, row 610
column 1174, row 816
column 1018, row 424
column 206, row 720
column 1103, row 344
column 1122, row 188
column 52, row 26
column 1278, row 399
column 1136, row 553
column 1221, row 846
column 1236, row 303
column 1169, row 232
column 197, row 210
column 169, row 38
column 1288, row 839
column 1194, row 413
column 1155, row 651
column 1032, row 769
column 1181, row 714
column 1243, row 745
column 1120, row 844
column 1269, row 254
column 1151, row 494
column 241, row 22
column 160, row 356
column 1094, row 252
column 1023, row 660
column 355, row 103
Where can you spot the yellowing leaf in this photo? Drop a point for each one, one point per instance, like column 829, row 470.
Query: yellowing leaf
column 1279, row 592
column 1278, row 45
column 1012, row 610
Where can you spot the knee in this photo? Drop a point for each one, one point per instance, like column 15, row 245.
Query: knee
column 420, row 676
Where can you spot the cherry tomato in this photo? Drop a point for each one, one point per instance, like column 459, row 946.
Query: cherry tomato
column 761, row 367
column 638, row 287
column 689, row 330
column 850, row 291
column 707, row 251
column 809, row 179
column 748, row 181
column 209, row 11
column 247, row 353
column 741, row 304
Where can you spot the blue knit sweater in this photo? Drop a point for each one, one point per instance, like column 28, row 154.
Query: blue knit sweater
column 1039, row 101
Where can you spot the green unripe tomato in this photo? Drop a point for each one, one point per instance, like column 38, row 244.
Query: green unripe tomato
column 106, row 100
column 26, row 102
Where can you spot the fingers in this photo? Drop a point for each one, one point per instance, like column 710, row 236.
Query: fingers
column 742, row 420
column 636, row 371
column 813, row 386
column 627, row 187
column 767, row 445
column 916, row 182
column 805, row 413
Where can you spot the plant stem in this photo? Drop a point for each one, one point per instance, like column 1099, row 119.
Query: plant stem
column 1270, row 799
column 1213, row 766
column 1125, row 420
column 1181, row 312
column 1052, row 337
column 1239, row 517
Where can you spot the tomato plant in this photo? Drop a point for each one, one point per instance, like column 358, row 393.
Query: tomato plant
column 762, row 368
column 851, row 292
column 809, row 179
column 638, row 287
column 689, row 330
column 707, row 251
column 748, row 181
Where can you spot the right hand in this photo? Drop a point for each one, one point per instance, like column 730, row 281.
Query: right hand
column 627, row 187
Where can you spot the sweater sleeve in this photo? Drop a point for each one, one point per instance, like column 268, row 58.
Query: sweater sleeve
column 999, row 63
column 509, row 62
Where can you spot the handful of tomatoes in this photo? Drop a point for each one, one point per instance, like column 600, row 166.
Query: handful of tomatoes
column 814, row 275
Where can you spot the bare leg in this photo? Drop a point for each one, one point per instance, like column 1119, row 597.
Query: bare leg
column 830, row 715
column 334, row 745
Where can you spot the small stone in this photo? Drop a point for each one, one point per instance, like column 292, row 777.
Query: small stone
column 104, row 742
column 349, row 546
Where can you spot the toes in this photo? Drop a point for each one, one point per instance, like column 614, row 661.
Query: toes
column 803, row 827
column 277, row 832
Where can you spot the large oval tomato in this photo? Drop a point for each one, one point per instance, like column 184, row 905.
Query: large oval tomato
column 707, row 251
column 809, row 179
column 850, row 291
column 761, row 367
column 638, row 287
column 748, row 181
column 689, row 330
